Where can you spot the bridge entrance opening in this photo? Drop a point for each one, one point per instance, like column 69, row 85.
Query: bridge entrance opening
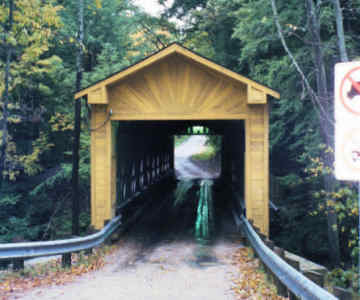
column 147, row 151
column 147, row 164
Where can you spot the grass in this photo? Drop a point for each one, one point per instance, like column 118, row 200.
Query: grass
column 179, row 139
column 208, row 154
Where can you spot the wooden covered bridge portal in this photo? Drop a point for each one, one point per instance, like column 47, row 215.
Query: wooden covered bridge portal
column 136, row 113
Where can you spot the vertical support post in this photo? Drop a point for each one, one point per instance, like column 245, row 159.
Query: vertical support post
column 18, row 264
column 113, row 168
column 257, row 167
column 4, row 263
column 66, row 260
column 89, row 251
column 103, row 185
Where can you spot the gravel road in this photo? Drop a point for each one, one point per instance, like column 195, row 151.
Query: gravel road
column 159, row 258
column 170, row 271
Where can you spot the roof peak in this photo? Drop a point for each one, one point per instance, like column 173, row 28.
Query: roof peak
column 165, row 52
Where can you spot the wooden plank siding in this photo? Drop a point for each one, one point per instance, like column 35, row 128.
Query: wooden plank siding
column 102, row 168
column 183, row 52
column 174, row 88
column 176, row 84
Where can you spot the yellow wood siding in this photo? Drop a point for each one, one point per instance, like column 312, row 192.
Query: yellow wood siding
column 98, row 96
column 256, row 96
column 257, row 167
column 176, row 88
column 101, row 167
column 183, row 52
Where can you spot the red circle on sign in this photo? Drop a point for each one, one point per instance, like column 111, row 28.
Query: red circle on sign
column 347, row 77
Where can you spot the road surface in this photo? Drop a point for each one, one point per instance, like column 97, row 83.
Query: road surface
column 185, row 168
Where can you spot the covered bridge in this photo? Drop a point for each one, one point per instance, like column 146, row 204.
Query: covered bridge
column 135, row 114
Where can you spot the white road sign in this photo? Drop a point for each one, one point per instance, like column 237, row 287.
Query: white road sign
column 347, row 121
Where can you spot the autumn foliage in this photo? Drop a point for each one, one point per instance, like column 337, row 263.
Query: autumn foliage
column 52, row 273
column 251, row 283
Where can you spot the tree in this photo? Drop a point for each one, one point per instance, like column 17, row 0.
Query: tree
column 5, row 100
column 75, row 168
column 25, row 47
column 340, row 31
column 322, row 102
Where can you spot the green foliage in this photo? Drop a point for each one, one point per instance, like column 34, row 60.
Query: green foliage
column 35, row 201
column 343, row 200
column 208, row 154
column 179, row 139
column 240, row 34
column 215, row 142
column 345, row 279
column 30, row 86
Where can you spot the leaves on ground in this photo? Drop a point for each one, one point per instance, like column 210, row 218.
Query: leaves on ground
column 251, row 283
column 51, row 273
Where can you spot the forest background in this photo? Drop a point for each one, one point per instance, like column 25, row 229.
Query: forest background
column 46, row 52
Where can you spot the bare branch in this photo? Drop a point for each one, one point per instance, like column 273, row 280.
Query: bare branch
column 322, row 113
column 156, row 36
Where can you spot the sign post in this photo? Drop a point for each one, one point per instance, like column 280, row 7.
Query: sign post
column 347, row 128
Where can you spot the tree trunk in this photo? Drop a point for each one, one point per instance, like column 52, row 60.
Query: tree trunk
column 76, row 145
column 326, row 127
column 340, row 31
column 4, row 125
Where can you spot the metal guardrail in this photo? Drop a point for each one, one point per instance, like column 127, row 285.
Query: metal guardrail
column 21, row 251
column 37, row 249
column 296, row 282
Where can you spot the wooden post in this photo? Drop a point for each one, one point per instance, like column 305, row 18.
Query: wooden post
column 257, row 167
column 4, row 263
column 103, row 188
column 66, row 260
column 18, row 264
column 89, row 251
column 280, row 287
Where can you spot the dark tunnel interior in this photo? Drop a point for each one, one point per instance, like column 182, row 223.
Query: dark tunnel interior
column 145, row 158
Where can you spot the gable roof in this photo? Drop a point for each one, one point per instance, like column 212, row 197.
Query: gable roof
column 182, row 51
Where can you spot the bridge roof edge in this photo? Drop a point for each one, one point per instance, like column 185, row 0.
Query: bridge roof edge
column 182, row 51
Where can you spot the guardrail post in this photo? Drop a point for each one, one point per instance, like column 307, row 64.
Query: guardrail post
column 4, row 263
column 66, row 260
column 292, row 296
column 280, row 287
column 18, row 264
